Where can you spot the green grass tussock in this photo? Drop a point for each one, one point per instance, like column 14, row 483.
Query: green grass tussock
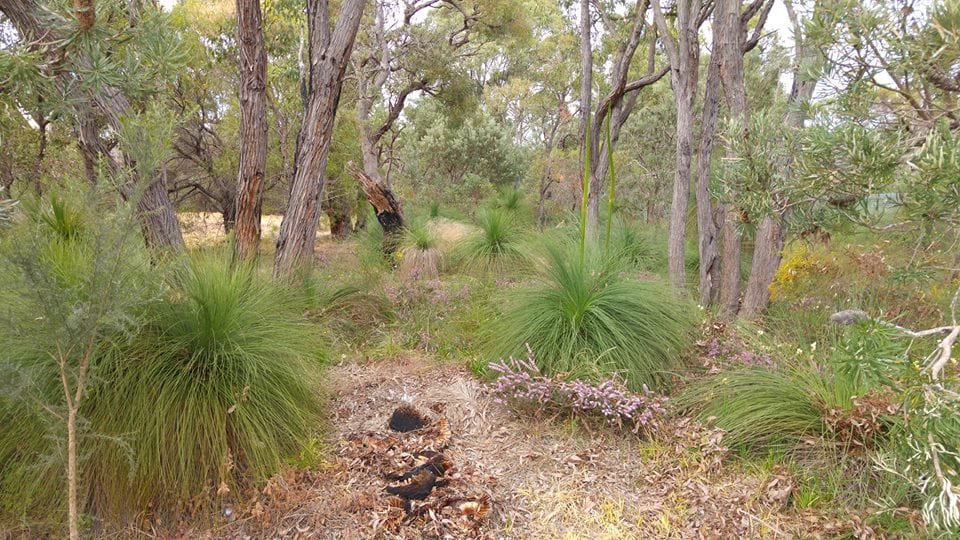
column 592, row 320
column 495, row 247
column 762, row 408
column 218, row 388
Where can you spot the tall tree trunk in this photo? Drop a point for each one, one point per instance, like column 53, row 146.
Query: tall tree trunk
column 253, row 130
column 329, row 55
column 586, row 98
column 684, row 54
column 708, row 238
column 730, row 47
column 771, row 234
column 676, row 240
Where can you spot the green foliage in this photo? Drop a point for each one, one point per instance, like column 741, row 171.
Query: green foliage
column 65, row 221
column 218, row 388
column 459, row 163
column 495, row 247
column 77, row 281
column 419, row 236
column 350, row 313
column 590, row 320
column 773, row 408
column 206, row 380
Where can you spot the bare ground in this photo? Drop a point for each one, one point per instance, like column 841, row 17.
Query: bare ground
column 542, row 477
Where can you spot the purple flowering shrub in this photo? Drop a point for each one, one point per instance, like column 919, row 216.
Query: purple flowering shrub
column 520, row 382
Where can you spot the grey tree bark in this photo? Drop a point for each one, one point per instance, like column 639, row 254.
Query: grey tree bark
column 771, row 233
column 253, row 130
column 729, row 31
column 683, row 52
column 329, row 54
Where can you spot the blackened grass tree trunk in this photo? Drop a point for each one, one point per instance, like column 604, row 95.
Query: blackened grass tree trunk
column 683, row 52
column 253, row 130
column 329, row 53
column 158, row 219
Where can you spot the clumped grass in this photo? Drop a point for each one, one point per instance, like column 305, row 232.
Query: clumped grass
column 495, row 247
column 420, row 254
column 776, row 408
column 591, row 320
column 216, row 390
column 351, row 313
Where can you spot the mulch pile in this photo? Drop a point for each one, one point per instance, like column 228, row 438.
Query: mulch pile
column 422, row 488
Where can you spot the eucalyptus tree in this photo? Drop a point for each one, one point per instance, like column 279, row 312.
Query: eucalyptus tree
column 683, row 52
column 253, row 129
column 412, row 48
column 726, row 70
column 622, row 37
column 329, row 47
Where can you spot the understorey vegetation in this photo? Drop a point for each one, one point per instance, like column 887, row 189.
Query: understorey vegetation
column 639, row 268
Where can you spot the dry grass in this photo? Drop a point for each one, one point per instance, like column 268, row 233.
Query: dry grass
column 449, row 233
column 206, row 228
column 421, row 263
column 546, row 479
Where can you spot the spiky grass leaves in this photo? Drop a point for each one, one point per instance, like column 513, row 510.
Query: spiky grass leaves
column 496, row 246
column 217, row 389
column 762, row 408
column 420, row 256
column 593, row 320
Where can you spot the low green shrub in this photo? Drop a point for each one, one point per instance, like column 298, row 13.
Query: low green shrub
column 495, row 247
column 764, row 408
column 217, row 389
column 351, row 313
column 77, row 281
column 592, row 320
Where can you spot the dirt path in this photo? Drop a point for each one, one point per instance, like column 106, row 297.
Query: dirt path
column 544, row 478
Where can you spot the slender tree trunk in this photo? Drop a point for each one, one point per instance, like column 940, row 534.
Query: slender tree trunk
column 329, row 56
column 73, row 513
column 730, row 47
column 707, row 230
column 42, row 123
column 684, row 54
column 253, row 130
column 771, row 233
column 676, row 241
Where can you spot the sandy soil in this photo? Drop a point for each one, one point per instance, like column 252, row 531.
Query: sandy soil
column 542, row 477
